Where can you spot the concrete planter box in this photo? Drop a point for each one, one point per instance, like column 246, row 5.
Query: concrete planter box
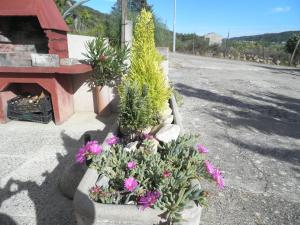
column 89, row 212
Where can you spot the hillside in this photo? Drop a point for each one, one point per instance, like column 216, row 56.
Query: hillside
column 269, row 37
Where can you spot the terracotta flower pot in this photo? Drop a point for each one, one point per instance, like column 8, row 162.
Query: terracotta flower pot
column 102, row 100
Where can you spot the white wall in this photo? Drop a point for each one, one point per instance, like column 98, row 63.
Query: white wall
column 76, row 45
column 83, row 97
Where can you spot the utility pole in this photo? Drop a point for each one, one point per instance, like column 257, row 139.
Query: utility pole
column 174, row 30
column 194, row 44
column 124, row 21
column 226, row 45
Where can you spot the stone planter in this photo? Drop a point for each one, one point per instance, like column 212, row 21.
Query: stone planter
column 88, row 212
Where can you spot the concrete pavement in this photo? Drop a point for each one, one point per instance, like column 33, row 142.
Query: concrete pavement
column 33, row 157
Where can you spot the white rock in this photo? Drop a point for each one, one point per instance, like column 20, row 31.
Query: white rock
column 131, row 146
column 153, row 145
column 168, row 133
column 169, row 120
column 168, row 111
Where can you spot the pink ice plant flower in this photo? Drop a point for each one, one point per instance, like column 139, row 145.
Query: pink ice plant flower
column 217, row 176
column 209, row 167
column 112, row 140
column 149, row 199
column 201, row 149
column 92, row 147
column 80, row 156
column 131, row 165
column 166, row 174
column 215, row 173
column 130, row 184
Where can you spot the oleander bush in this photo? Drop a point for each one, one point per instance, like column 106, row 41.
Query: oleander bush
column 109, row 64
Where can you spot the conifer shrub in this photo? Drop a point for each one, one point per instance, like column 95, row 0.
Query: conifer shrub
column 135, row 107
column 145, row 70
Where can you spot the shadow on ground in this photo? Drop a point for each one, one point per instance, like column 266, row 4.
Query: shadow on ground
column 267, row 113
column 289, row 71
column 42, row 211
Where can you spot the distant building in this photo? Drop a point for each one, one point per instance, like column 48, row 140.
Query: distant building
column 214, row 38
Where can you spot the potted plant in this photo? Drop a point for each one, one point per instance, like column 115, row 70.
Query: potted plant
column 143, row 175
column 109, row 65
column 163, row 183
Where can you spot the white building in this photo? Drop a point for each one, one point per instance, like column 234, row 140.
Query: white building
column 214, row 38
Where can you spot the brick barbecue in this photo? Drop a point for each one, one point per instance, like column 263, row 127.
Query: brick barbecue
column 34, row 55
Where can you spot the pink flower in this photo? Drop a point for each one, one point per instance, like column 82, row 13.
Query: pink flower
column 93, row 147
column 217, row 176
column 112, row 140
column 130, row 184
column 80, row 156
column 201, row 148
column 149, row 199
column 131, row 165
column 95, row 189
column 166, row 174
column 209, row 167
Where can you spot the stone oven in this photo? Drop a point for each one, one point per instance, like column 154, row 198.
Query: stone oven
column 34, row 55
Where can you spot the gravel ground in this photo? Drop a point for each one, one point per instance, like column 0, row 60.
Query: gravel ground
column 33, row 157
column 248, row 115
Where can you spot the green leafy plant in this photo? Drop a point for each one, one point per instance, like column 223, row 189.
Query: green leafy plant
column 108, row 63
column 135, row 112
column 167, row 179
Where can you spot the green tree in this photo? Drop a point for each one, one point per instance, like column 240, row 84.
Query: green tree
column 292, row 47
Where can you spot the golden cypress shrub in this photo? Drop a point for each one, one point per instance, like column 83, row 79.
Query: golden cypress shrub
column 146, row 64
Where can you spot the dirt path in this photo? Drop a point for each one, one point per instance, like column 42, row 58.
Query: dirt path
column 248, row 115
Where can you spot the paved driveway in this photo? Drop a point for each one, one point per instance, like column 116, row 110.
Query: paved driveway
column 248, row 115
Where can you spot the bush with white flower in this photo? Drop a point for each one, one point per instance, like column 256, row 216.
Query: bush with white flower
column 163, row 178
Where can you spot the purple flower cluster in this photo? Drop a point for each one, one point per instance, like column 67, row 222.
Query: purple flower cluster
column 91, row 148
column 113, row 140
column 215, row 173
column 149, row 199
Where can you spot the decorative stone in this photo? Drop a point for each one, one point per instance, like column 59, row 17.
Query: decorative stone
column 103, row 181
column 70, row 179
column 131, row 146
column 168, row 111
column 168, row 133
column 153, row 145
column 45, row 60
column 169, row 119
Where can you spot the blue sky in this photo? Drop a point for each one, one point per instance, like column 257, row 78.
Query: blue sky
column 238, row 17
